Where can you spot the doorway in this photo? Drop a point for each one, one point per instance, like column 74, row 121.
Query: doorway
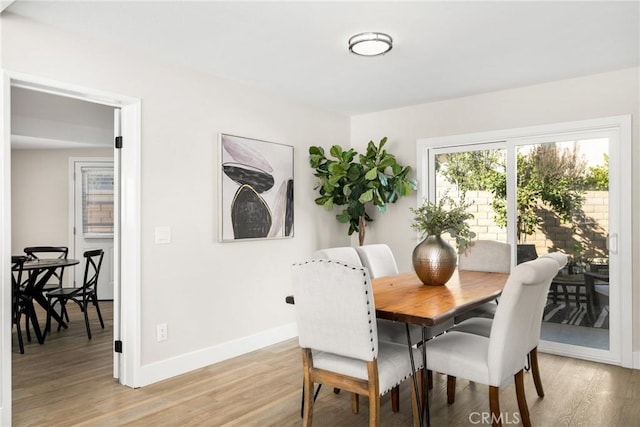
column 126, row 364
column 91, row 216
column 548, row 188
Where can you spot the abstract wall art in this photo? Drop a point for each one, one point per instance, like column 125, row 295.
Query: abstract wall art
column 256, row 188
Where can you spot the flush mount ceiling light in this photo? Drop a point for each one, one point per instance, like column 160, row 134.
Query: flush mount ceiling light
column 370, row 44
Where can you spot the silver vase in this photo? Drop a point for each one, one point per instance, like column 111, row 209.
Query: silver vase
column 434, row 261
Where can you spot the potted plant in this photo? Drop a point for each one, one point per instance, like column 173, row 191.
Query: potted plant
column 356, row 181
column 434, row 259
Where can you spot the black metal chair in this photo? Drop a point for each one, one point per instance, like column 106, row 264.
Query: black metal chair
column 82, row 296
column 17, row 307
column 40, row 252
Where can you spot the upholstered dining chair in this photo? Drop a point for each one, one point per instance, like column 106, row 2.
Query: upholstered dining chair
column 482, row 326
column 82, row 296
column 335, row 313
column 485, row 255
column 380, row 262
column 498, row 359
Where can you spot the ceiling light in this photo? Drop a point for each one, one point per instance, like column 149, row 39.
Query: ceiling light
column 370, row 44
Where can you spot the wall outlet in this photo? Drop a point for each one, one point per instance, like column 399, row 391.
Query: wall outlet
column 161, row 332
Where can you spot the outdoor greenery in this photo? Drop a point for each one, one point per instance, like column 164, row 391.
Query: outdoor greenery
column 445, row 216
column 356, row 181
column 548, row 177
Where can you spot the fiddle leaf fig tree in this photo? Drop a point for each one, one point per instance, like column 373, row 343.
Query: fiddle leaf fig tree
column 355, row 181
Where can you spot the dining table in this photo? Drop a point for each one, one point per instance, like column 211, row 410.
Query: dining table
column 39, row 273
column 404, row 298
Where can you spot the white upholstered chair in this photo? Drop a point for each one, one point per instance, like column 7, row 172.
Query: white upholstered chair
column 380, row 261
column 482, row 326
column 498, row 359
column 377, row 258
column 485, row 255
column 335, row 312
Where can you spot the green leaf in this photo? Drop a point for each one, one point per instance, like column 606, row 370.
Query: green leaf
column 365, row 197
column 383, row 179
column 336, row 151
column 344, row 217
column 371, row 174
column 313, row 150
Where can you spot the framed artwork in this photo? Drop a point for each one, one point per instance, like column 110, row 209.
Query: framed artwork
column 256, row 189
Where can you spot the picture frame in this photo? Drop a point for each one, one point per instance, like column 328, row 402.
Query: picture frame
column 256, row 189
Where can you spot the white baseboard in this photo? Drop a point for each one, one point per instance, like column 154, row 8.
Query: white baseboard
column 184, row 363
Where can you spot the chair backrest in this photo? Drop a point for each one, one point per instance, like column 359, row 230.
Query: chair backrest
column 335, row 310
column 526, row 253
column 346, row 254
column 534, row 334
column 511, row 327
column 17, row 262
column 486, row 255
column 378, row 259
column 40, row 252
column 93, row 263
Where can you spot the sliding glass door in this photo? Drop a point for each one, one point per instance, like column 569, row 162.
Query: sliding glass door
column 557, row 192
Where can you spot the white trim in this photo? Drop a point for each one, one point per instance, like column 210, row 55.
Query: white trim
column 621, row 338
column 187, row 362
column 128, row 264
column 6, row 325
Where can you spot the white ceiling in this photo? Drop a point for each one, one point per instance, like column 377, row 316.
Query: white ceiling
column 299, row 50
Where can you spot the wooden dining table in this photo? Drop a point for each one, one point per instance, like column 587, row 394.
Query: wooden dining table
column 40, row 271
column 404, row 298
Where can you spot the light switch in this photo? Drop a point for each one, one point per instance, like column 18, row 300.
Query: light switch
column 163, row 235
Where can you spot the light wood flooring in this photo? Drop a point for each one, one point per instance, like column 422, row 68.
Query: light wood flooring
column 68, row 382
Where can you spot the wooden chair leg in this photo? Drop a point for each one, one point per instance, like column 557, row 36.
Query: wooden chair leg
column 307, row 409
column 395, row 399
column 535, row 371
column 451, row 389
column 95, row 303
column 355, row 403
column 374, row 394
column 522, row 400
column 494, row 404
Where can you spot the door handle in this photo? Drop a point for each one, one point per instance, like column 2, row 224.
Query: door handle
column 612, row 243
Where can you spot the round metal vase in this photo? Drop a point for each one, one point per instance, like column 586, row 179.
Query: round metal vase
column 434, row 261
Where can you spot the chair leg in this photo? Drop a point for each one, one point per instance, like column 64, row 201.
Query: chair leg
column 535, row 371
column 494, row 404
column 355, row 403
column 307, row 388
column 95, row 302
column 451, row 389
column 19, row 333
column 395, row 399
column 85, row 309
column 430, row 379
column 522, row 400
column 374, row 394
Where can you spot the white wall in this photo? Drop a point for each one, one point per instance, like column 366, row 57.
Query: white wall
column 601, row 95
column 40, row 196
column 210, row 294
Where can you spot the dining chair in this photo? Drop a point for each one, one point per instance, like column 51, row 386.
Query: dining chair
column 485, row 255
column 337, row 332
column 498, row 359
column 482, row 327
column 387, row 330
column 82, row 296
column 41, row 252
column 17, row 308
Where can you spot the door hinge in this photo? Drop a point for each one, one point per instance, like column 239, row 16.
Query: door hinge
column 117, row 346
column 118, row 142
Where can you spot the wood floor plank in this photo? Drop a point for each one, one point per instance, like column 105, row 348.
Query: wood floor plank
column 55, row 383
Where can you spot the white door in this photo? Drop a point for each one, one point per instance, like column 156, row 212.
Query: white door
column 93, row 218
